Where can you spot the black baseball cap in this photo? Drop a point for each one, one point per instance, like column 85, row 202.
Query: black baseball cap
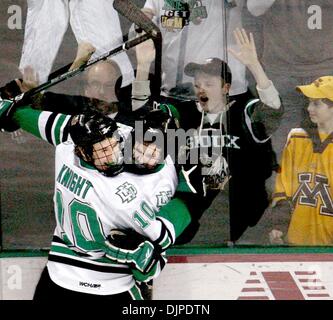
column 213, row 66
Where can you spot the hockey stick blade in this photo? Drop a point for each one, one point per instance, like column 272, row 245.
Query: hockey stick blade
column 133, row 13
column 69, row 74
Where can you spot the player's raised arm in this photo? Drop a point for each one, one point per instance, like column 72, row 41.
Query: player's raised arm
column 30, row 79
column 46, row 125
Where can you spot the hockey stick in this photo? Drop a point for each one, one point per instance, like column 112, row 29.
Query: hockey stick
column 84, row 52
column 69, row 74
column 59, row 72
column 134, row 14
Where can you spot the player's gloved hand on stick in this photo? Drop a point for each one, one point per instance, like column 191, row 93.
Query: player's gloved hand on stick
column 7, row 108
column 10, row 89
column 15, row 87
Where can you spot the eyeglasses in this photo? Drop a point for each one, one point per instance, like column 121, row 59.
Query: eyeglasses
column 95, row 85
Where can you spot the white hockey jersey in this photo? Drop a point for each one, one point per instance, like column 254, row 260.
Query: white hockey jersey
column 88, row 205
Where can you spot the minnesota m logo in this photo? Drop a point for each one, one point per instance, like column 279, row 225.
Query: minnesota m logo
column 308, row 196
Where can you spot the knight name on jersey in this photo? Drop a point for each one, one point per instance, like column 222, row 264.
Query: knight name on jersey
column 213, row 141
column 73, row 182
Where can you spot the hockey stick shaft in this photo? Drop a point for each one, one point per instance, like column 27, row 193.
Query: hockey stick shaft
column 69, row 74
column 59, row 72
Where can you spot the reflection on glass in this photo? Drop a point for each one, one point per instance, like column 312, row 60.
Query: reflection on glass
column 293, row 40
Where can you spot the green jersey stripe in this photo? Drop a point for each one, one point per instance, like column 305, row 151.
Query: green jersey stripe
column 42, row 122
column 28, row 119
column 135, row 293
column 58, row 128
column 51, row 126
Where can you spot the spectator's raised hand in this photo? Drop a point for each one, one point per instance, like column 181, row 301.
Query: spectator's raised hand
column 84, row 52
column 145, row 55
column 247, row 53
column 30, row 79
column 145, row 52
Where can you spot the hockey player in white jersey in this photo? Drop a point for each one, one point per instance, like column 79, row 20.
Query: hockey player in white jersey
column 95, row 195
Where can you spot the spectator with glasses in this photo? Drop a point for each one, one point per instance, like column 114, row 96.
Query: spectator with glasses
column 101, row 90
column 102, row 84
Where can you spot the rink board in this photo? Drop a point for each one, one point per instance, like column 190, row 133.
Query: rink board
column 197, row 276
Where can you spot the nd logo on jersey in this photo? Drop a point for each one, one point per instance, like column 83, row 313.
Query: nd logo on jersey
column 163, row 198
column 126, row 192
column 306, row 195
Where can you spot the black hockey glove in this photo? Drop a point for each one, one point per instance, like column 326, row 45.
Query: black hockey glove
column 10, row 90
column 163, row 117
column 7, row 108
